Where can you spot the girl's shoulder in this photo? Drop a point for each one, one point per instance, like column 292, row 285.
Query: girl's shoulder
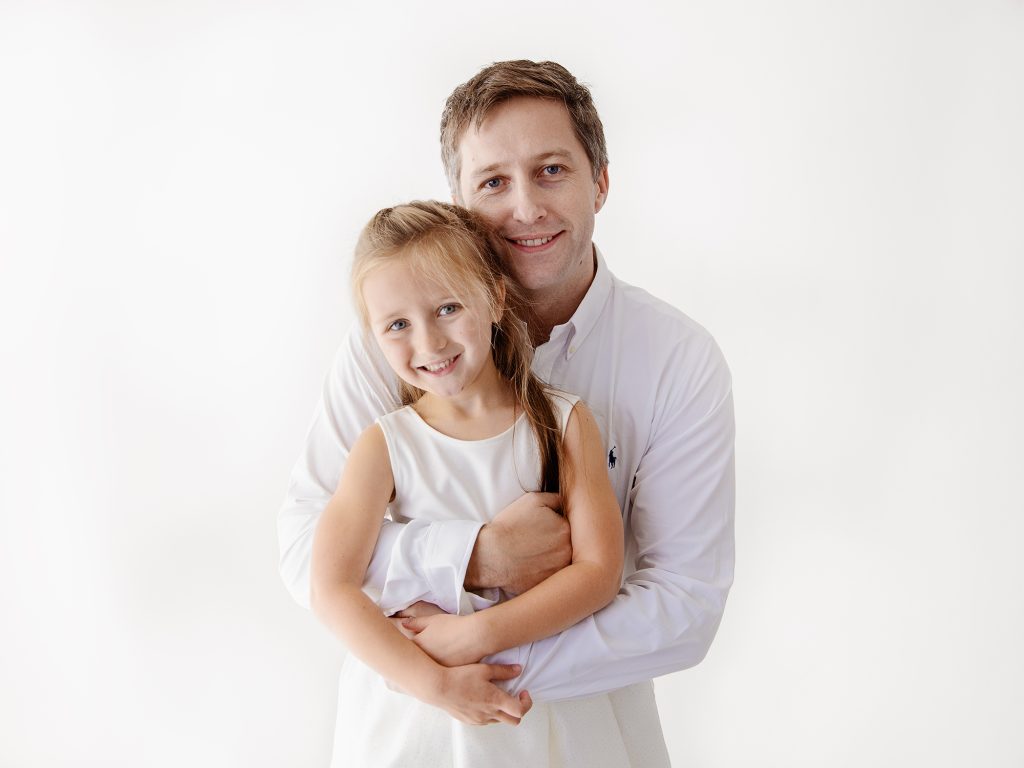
column 562, row 402
column 401, row 420
column 398, row 414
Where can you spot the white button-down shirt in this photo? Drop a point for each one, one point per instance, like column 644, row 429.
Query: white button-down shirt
column 661, row 393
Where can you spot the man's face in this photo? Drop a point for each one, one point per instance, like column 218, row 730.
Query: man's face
column 526, row 172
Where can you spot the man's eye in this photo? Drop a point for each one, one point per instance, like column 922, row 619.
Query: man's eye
column 552, row 170
column 447, row 309
column 492, row 183
column 398, row 325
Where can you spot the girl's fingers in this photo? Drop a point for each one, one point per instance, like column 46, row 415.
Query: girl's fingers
column 552, row 500
column 503, row 671
column 401, row 628
column 420, row 608
column 511, row 706
column 526, row 701
column 414, row 625
column 505, row 717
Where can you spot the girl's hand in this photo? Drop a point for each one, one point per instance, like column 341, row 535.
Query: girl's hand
column 420, row 608
column 449, row 640
column 468, row 693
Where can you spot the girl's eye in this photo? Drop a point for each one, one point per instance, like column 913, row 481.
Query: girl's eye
column 447, row 309
column 398, row 325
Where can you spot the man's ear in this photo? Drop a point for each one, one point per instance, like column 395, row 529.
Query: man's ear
column 602, row 189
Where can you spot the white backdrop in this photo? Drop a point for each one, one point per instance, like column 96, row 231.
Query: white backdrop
column 835, row 190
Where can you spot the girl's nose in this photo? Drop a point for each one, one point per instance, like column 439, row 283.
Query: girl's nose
column 431, row 339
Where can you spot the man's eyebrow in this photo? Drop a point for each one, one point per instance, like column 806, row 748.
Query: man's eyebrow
column 552, row 154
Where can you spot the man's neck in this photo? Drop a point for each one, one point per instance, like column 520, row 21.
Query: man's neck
column 551, row 309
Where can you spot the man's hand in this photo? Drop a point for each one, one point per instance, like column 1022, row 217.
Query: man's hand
column 469, row 694
column 524, row 544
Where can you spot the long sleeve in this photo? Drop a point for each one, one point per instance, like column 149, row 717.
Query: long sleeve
column 415, row 561
column 680, row 522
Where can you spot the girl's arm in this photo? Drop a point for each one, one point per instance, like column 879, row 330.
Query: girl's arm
column 342, row 547
column 569, row 595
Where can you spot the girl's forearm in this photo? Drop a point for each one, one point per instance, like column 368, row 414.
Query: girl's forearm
column 558, row 602
column 375, row 641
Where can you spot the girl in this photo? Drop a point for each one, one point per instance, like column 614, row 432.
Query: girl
column 477, row 430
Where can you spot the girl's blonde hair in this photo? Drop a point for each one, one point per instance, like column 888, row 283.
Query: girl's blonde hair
column 457, row 249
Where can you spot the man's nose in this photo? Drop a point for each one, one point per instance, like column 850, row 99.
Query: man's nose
column 528, row 204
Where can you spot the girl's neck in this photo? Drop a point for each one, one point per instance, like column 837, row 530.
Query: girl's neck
column 486, row 409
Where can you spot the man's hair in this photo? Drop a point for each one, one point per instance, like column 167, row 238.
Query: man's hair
column 504, row 80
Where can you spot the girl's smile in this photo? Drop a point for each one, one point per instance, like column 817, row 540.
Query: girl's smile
column 442, row 368
column 433, row 340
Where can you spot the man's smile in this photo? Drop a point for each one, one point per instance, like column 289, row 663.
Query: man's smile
column 533, row 243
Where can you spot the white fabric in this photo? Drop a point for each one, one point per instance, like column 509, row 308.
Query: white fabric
column 446, row 478
column 442, row 478
column 661, row 393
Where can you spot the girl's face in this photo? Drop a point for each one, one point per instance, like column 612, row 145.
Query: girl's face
column 429, row 338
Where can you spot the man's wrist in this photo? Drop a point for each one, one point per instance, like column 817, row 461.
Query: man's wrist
column 478, row 574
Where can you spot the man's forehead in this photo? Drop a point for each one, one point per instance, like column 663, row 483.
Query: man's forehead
column 523, row 129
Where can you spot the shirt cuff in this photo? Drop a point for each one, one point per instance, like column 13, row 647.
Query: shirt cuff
column 448, row 550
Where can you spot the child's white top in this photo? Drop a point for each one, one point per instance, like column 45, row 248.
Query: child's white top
column 490, row 473
column 442, row 478
column 438, row 477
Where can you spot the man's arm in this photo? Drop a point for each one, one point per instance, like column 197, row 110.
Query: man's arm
column 681, row 523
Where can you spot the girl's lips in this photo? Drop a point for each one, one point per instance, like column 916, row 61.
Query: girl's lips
column 446, row 368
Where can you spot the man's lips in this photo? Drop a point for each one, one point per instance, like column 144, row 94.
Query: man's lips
column 533, row 242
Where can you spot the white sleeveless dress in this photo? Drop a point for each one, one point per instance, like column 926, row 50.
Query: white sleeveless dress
column 443, row 478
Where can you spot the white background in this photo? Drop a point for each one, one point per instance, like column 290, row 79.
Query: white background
column 835, row 190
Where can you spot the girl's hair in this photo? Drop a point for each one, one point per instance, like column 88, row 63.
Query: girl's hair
column 456, row 248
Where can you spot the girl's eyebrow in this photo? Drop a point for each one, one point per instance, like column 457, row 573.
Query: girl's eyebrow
column 387, row 317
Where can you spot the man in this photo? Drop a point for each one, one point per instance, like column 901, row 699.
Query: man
column 523, row 145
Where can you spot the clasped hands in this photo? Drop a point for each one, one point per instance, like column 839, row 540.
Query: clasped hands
column 520, row 547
